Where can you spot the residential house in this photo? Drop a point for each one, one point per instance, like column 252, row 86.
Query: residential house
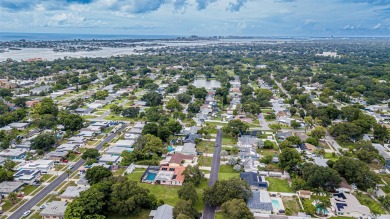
column 124, row 143
column 117, row 151
column 29, row 177
column 170, row 175
column 188, row 149
column 129, row 136
column 7, row 187
column 309, row 148
column 178, row 159
column 345, row 204
column 55, row 210
column 107, row 158
column 42, row 165
column 190, row 138
column 163, row 212
column 39, row 90
column 84, row 111
column 13, row 154
column 248, row 141
column 57, row 156
column 383, row 152
column 283, row 135
column 304, row 194
column 260, row 202
column 255, row 181
column 248, row 152
column 18, row 125
column 250, row 164
column 72, row 192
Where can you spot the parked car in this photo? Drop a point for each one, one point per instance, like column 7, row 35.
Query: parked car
column 71, row 166
column 65, row 161
column 25, row 214
column 20, row 195
column 42, row 206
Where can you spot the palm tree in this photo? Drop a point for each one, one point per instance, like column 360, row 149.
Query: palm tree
column 12, row 197
column 68, row 171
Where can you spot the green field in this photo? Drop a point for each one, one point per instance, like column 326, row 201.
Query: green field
column 227, row 172
column 278, row 185
column 201, row 147
column 370, row 203
column 205, row 161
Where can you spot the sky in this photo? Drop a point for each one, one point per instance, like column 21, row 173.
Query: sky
column 198, row 17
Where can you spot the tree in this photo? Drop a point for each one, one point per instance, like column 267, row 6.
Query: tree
column 194, row 107
column 127, row 198
column 381, row 133
column 192, row 174
column 150, row 128
column 295, row 124
column 90, row 153
column 100, row 94
column 318, row 132
column 289, row 159
column 275, row 126
column 152, row 99
column 236, row 209
column 130, row 112
column 225, row 190
column 320, row 177
column 116, row 109
column 186, row 208
column 46, row 106
column 97, row 174
column 43, row 141
column 293, row 111
column 174, row 126
column 312, row 141
column 20, row 101
column 184, row 98
column 235, row 127
column 174, row 105
column 188, row 192
column 71, row 122
column 356, row 171
column 12, row 197
column 89, row 204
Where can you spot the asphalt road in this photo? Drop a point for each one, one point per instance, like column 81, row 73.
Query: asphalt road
column 281, row 87
column 263, row 122
column 209, row 211
column 49, row 188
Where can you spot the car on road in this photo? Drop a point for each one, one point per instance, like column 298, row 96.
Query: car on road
column 71, row 166
column 25, row 214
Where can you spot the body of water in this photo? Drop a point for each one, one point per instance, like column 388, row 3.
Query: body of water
column 6, row 36
column 208, row 84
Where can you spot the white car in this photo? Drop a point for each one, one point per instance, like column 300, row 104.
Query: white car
column 42, row 206
column 25, row 214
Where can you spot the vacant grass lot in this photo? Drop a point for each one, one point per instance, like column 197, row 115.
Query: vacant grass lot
column 278, row 185
column 28, row 189
column 205, row 161
column 227, row 172
column 201, row 147
column 370, row 203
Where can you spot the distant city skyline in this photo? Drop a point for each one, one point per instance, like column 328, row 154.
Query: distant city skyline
column 198, row 17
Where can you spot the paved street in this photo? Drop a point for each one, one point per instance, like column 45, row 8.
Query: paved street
column 209, row 211
column 281, row 87
column 263, row 122
column 49, row 188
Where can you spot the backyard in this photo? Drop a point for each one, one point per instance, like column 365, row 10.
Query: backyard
column 278, row 185
column 227, row 172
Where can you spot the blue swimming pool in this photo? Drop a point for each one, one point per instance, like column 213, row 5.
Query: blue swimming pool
column 275, row 204
column 319, row 210
column 151, row 176
column 170, row 148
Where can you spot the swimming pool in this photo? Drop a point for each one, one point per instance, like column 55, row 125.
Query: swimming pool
column 170, row 148
column 275, row 204
column 319, row 209
column 151, row 176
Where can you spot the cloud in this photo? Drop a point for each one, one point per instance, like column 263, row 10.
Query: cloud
column 16, row 5
column 236, row 5
column 179, row 4
column 377, row 26
column 371, row 2
column 202, row 4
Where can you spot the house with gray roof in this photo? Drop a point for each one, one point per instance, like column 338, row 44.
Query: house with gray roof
column 56, row 209
column 162, row 212
column 72, row 192
column 188, row 149
column 8, row 187
column 260, row 202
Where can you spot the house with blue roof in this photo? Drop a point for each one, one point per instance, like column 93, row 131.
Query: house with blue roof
column 260, row 202
column 255, row 181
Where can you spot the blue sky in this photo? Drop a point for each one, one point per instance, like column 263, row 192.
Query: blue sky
column 199, row 17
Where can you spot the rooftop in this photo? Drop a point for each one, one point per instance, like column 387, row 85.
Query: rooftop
column 55, row 208
column 72, row 192
column 260, row 200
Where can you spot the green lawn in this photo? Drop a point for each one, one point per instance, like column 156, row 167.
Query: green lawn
column 229, row 141
column 201, row 147
column 292, row 204
column 331, row 157
column 227, row 172
column 385, row 177
column 219, row 215
column 142, row 215
column 58, row 167
column 205, row 161
column 167, row 193
column 45, row 177
column 114, row 117
column 28, row 189
column 89, row 116
column 278, row 185
column 370, row 203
